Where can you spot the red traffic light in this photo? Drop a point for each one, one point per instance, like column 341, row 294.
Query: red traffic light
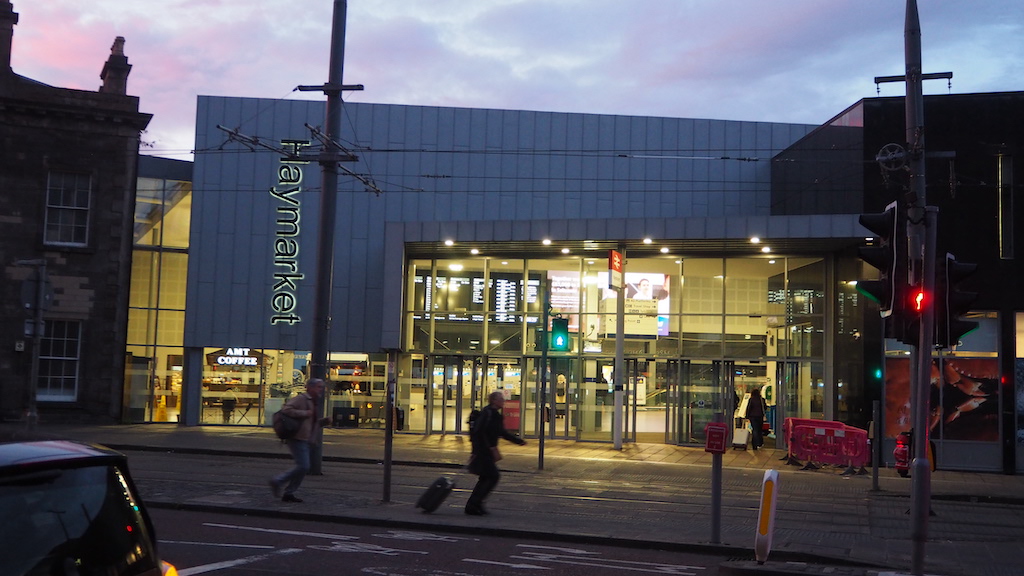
column 918, row 300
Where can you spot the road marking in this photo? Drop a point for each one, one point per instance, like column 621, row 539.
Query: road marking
column 654, row 567
column 367, row 548
column 276, row 531
column 216, row 544
column 232, row 563
column 506, row 564
column 559, row 549
column 420, row 536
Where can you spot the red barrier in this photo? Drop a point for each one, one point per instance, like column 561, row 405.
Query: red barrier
column 791, row 423
column 837, row 445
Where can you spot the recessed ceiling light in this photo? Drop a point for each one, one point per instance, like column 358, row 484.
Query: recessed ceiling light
column 455, row 267
column 765, row 249
column 474, row 251
column 449, row 242
column 546, row 242
column 504, row 262
column 565, row 250
column 771, row 261
column 755, row 240
column 664, row 249
column 648, row 240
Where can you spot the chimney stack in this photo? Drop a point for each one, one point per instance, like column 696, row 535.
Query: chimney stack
column 115, row 70
column 8, row 18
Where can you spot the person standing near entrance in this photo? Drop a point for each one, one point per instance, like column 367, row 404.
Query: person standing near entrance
column 755, row 414
column 304, row 407
column 487, row 428
column 228, row 402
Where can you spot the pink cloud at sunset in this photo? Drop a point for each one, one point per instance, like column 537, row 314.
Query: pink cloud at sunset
column 798, row 61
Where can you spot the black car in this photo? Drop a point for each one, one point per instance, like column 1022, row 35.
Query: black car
column 71, row 509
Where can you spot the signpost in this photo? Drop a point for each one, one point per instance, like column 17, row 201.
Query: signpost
column 716, row 434
column 615, row 265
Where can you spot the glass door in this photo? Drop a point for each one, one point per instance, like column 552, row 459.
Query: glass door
column 704, row 387
column 455, row 382
column 668, row 375
column 506, row 375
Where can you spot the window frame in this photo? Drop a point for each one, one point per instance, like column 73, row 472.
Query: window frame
column 48, row 360
column 57, row 231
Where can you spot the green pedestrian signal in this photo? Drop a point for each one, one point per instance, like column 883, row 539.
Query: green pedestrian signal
column 560, row 341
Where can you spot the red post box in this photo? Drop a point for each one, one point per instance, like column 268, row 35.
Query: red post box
column 715, row 434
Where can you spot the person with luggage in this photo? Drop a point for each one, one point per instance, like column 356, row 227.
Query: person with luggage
column 484, row 434
column 756, row 410
column 306, row 408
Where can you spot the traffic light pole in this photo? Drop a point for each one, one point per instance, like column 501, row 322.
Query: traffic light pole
column 543, row 401
column 922, row 222
column 920, row 467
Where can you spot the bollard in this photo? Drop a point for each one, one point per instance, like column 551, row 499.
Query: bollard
column 766, row 516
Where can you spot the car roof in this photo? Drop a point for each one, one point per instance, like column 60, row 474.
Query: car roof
column 34, row 453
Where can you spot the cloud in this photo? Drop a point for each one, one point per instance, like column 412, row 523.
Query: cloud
column 799, row 61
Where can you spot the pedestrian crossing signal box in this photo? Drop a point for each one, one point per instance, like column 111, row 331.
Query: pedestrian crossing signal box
column 560, row 335
column 715, row 434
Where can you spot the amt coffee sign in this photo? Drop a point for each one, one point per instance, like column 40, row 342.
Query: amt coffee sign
column 231, row 357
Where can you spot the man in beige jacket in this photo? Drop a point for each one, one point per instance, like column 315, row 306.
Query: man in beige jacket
column 303, row 407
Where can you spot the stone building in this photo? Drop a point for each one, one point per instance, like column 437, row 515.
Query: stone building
column 68, row 162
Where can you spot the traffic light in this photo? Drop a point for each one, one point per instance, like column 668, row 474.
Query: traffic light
column 906, row 326
column 888, row 253
column 952, row 303
column 560, row 341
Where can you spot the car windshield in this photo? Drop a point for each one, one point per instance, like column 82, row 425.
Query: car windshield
column 70, row 522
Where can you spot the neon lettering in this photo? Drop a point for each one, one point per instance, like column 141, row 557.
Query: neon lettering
column 284, row 298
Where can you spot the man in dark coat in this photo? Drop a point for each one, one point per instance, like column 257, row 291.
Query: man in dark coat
column 485, row 431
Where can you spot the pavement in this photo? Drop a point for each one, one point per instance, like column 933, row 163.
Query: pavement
column 646, row 496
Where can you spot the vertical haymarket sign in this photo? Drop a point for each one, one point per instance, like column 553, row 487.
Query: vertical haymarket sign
column 284, row 299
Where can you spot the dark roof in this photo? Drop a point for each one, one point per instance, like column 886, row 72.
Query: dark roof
column 165, row 168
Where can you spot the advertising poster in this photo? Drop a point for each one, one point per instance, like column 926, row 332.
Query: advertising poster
column 647, row 305
column 963, row 402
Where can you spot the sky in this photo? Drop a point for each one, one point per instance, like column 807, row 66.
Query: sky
column 799, row 61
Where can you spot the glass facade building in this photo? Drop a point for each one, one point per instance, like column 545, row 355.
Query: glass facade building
column 492, row 222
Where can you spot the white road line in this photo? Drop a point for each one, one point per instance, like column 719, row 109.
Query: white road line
column 654, row 567
column 520, row 566
column 276, row 531
column 420, row 536
column 365, row 548
column 559, row 549
column 224, row 545
column 232, row 563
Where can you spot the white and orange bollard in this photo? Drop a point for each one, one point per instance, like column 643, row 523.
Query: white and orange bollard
column 766, row 516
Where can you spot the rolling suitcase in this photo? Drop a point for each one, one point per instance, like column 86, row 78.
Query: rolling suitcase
column 740, row 436
column 436, row 494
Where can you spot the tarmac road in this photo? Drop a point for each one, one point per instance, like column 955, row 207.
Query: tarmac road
column 645, row 496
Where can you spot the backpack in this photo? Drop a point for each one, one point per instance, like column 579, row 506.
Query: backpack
column 474, row 415
column 285, row 426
